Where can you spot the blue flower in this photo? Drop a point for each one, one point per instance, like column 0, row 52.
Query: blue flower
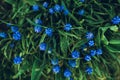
column 67, row 27
column 54, row 61
column 99, row 51
column 9, row 24
column 82, row 0
column 89, row 35
column 72, row 63
column 81, row 12
column 3, row 35
column 42, row 46
column 116, row 20
column 17, row 35
column 66, row 12
column 12, row 45
column 67, row 73
column 89, row 70
column 91, row 43
column 87, row 58
column 37, row 29
column 92, row 52
column 49, row 31
column 35, row 7
column 17, row 60
column 14, row 28
column 61, row 8
column 51, row 11
column 56, row 69
column 75, row 54
column 57, row 8
column 45, row 4
column 38, row 21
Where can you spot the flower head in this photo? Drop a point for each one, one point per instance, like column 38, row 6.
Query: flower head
column 51, row 10
column 116, row 20
column 99, row 51
column 82, row 0
column 17, row 60
column 67, row 27
column 35, row 7
column 49, row 31
column 72, row 63
column 87, row 58
column 14, row 28
column 12, row 45
column 56, row 69
column 45, row 4
column 17, row 35
column 89, row 70
column 3, row 35
column 37, row 29
column 91, row 43
column 38, row 21
column 67, row 73
column 81, row 12
column 75, row 54
column 92, row 52
column 66, row 12
column 57, row 8
column 54, row 61
column 89, row 35
column 42, row 46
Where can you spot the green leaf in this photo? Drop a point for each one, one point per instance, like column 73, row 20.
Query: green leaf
column 22, row 70
column 37, row 70
column 112, row 49
column 114, row 28
column 114, row 41
column 30, row 2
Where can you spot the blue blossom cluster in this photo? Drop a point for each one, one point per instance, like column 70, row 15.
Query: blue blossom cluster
column 116, row 20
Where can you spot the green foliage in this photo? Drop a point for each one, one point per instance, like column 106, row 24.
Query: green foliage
column 36, row 64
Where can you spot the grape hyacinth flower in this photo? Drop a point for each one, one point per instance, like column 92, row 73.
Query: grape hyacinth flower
column 56, row 69
column 81, row 12
column 57, row 8
column 51, row 11
column 82, row 0
column 14, row 28
column 3, row 35
column 54, row 61
column 66, row 12
column 67, row 27
column 37, row 29
column 116, row 20
column 89, row 35
column 38, row 21
column 12, row 45
column 42, row 46
column 35, row 7
column 99, row 51
column 17, row 35
column 72, row 63
column 75, row 54
column 89, row 70
column 91, row 43
column 92, row 52
column 67, row 73
column 17, row 60
column 49, row 31
column 87, row 58
column 45, row 4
